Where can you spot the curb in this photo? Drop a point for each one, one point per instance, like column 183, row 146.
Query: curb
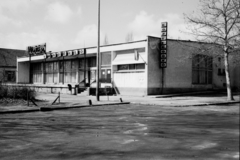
column 44, row 109
column 208, row 104
column 19, row 111
column 186, row 94
column 224, row 103
column 78, row 106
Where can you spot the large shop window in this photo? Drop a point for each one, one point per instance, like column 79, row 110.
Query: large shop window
column 92, row 62
column 51, row 72
column 131, row 67
column 202, row 69
column 37, row 72
column 68, row 71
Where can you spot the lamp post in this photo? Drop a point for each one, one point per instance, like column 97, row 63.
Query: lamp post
column 98, row 52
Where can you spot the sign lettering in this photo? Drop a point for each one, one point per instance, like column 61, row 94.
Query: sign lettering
column 37, row 49
column 65, row 53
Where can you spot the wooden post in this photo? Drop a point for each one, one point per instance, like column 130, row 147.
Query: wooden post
column 162, row 80
column 63, row 71
column 27, row 98
column 29, row 68
column 58, row 97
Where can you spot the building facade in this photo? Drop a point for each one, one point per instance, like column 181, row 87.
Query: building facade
column 8, row 64
column 128, row 68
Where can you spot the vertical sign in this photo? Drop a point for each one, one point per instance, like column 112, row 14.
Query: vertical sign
column 163, row 50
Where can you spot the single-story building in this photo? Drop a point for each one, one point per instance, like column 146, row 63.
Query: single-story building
column 8, row 64
column 131, row 68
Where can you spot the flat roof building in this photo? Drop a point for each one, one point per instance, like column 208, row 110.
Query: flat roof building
column 131, row 68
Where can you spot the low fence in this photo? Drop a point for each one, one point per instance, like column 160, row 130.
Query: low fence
column 66, row 89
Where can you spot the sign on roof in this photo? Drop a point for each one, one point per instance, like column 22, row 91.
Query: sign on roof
column 37, row 49
column 65, row 53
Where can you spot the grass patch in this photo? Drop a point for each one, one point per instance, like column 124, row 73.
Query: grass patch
column 13, row 92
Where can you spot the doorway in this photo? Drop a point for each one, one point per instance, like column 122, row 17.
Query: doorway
column 105, row 76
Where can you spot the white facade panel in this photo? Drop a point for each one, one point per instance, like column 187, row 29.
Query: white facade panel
column 130, row 79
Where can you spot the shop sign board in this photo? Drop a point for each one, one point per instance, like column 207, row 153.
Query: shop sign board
column 82, row 51
column 65, row 53
column 54, row 54
column 163, row 48
column 59, row 54
column 75, row 52
column 70, row 53
column 37, row 49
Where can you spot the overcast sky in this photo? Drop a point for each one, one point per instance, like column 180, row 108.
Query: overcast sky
column 72, row 24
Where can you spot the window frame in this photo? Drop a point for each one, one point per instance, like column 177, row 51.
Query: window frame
column 131, row 67
column 51, row 71
column 69, row 71
column 37, row 70
column 9, row 76
column 202, row 68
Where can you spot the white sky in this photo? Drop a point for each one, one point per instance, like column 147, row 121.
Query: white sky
column 71, row 24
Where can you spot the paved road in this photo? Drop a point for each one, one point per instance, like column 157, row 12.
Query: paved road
column 128, row 132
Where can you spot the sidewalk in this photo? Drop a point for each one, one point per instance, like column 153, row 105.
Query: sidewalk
column 45, row 101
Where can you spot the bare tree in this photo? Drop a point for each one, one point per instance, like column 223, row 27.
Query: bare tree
column 219, row 22
column 129, row 37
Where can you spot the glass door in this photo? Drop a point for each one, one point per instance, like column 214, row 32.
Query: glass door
column 105, row 76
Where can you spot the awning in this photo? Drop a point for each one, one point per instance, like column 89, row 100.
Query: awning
column 130, row 58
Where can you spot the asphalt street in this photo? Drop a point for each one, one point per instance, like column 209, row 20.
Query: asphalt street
column 126, row 132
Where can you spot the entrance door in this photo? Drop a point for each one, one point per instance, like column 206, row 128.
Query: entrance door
column 106, row 75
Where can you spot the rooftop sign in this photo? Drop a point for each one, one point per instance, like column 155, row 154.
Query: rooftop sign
column 37, row 49
column 65, row 53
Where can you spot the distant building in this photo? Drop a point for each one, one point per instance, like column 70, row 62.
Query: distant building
column 8, row 64
column 131, row 68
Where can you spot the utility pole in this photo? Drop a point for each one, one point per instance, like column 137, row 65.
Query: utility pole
column 98, row 52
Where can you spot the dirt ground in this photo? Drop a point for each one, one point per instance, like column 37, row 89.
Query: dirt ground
column 126, row 132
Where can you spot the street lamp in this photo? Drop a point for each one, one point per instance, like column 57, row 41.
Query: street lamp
column 98, row 53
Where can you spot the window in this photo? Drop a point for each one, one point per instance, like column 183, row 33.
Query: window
column 201, row 69
column 51, row 69
column 221, row 72
column 131, row 66
column 93, row 75
column 105, row 76
column 123, row 67
column 37, row 72
column 92, row 62
column 9, row 76
column 68, row 71
column 61, row 71
column 82, row 64
column 140, row 66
